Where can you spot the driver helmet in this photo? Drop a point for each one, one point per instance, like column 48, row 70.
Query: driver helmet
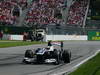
column 48, row 47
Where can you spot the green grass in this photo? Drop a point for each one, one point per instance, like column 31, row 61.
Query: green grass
column 91, row 67
column 4, row 44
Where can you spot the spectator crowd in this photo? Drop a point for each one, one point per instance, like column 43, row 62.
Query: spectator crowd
column 77, row 12
column 45, row 12
column 7, row 9
column 42, row 12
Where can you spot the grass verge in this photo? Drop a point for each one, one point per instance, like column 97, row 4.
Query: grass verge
column 17, row 43
column 91, row 67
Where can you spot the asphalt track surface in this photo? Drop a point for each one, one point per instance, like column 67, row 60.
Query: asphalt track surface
column 11, row 59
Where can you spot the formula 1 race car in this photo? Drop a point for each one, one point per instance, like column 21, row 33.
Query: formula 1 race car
column 47, row 55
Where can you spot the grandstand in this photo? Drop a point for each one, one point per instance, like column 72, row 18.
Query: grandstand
column 10, row 11
column 28, row 13
column 44, row 12
column 78, row 12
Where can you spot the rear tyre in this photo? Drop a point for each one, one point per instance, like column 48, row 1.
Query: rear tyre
column 66, row 56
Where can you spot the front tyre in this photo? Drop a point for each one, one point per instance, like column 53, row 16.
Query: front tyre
column 29, row 54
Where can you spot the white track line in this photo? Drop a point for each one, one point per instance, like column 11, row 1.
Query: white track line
column 76, row 66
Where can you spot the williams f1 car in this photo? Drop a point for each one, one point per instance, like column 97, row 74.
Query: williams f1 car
column 48, row 54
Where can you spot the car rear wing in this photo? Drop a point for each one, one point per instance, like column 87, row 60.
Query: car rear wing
column 58, row 43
